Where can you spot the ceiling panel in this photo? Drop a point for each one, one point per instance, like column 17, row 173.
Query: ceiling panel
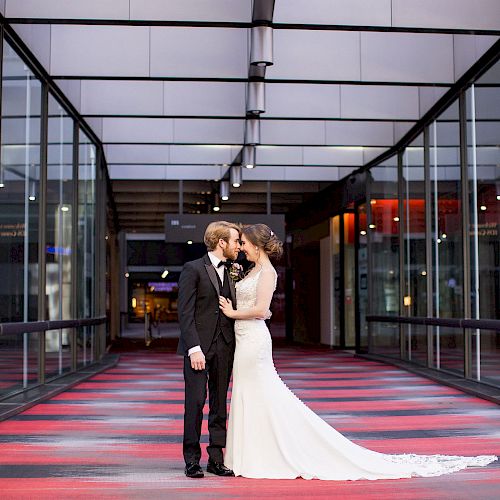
column 104, row 97
column 138, row 130
column 315, row 55
column 200, row 52
column 349, row 133
column 379, row 102
column 292, row 132
column 209, row 131
column 302, row 100
column 62, row 9
column 99, row 50
column 407, row 57
column 204, row 98
column 451, row 14
column 357, row 12
column 192, row 10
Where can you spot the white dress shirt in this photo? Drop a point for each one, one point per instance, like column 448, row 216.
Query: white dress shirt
column 220, row 271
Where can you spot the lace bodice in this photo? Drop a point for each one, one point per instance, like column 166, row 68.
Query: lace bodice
column 246, row 290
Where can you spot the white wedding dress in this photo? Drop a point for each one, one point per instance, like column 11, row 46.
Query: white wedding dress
column 272, row 434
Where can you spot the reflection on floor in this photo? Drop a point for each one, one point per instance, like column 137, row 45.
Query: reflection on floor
column 119, row 434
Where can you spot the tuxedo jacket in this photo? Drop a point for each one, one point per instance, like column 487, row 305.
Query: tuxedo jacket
column 198, row 304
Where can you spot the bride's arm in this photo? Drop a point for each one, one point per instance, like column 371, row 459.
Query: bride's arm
column 265, row 290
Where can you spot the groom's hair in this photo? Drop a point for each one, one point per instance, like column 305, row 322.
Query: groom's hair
column 216, row 231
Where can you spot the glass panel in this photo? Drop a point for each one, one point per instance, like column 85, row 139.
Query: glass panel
column 337, row 270
column 362, row 278
column 416, row 343
column 385, row 339
column 446, row 216
column 19, row 188
column 415, row 274
column 488, row 355
column 86, row 243
column 85, row 338
column 483, row 133
column 450, row 346
column 57, row 352
column 384, row 239
column 12, row 375
column 349, row 281
column 59, row 235
column 446, row 229
column 19, row 214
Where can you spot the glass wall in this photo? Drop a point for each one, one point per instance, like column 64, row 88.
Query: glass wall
column 414, row 250
column 449, row 184
column 483, row 155
column 59, row 273
column 19, row 217
column 446, row 229
column 86, row 244
column 384, row 254
column 46, row 214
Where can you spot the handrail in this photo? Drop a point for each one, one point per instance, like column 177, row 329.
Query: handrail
column 42, row 326
column 482, row 324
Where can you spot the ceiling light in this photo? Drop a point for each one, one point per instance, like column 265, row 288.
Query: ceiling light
column 362, row 233
column 235, row 175
column 189, row 242
column 372, row 226
column 252, row 131
column 483, row 207
column 396, row 219
column 248, row 156
column 261, row 52
column 164, row 274
column 127, row 275
column 256, row 100
column 224, row 190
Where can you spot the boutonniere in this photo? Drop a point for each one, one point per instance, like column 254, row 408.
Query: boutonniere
column 235, row 271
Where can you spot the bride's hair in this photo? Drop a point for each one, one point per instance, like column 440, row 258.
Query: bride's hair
column 262, row 236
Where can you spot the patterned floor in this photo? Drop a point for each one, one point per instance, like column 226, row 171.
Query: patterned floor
column 118, row 435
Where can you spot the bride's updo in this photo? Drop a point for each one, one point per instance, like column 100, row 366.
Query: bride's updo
column 262, row 236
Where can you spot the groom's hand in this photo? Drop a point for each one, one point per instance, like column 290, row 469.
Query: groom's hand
column 197, row 360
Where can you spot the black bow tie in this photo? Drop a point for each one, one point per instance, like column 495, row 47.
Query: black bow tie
column 226, row 263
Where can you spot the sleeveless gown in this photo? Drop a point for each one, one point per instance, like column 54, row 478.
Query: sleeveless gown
column 273, row 435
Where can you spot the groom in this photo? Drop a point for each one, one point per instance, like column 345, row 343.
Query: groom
column 207, row 343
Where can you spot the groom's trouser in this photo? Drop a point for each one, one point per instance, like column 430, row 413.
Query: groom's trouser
column 219, row 363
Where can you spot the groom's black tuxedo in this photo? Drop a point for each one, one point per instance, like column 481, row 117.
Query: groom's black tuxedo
column 202, row 323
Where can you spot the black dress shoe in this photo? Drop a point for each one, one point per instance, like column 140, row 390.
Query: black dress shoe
column 193, row 470
column 219, row 469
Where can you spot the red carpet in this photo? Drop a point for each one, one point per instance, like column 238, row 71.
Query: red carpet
column 118, row 435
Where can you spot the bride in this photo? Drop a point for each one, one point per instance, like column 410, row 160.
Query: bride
column 271, row 433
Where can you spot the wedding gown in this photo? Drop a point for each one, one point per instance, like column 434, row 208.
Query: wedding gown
column 272, row 434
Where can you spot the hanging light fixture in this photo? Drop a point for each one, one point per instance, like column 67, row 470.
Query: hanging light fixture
column 248, row 156
column 252, row 130
column 236, row 176
column 224, row 190
column 256, row 102
column 216, row 206
column 261, row 52
column 32, row 195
